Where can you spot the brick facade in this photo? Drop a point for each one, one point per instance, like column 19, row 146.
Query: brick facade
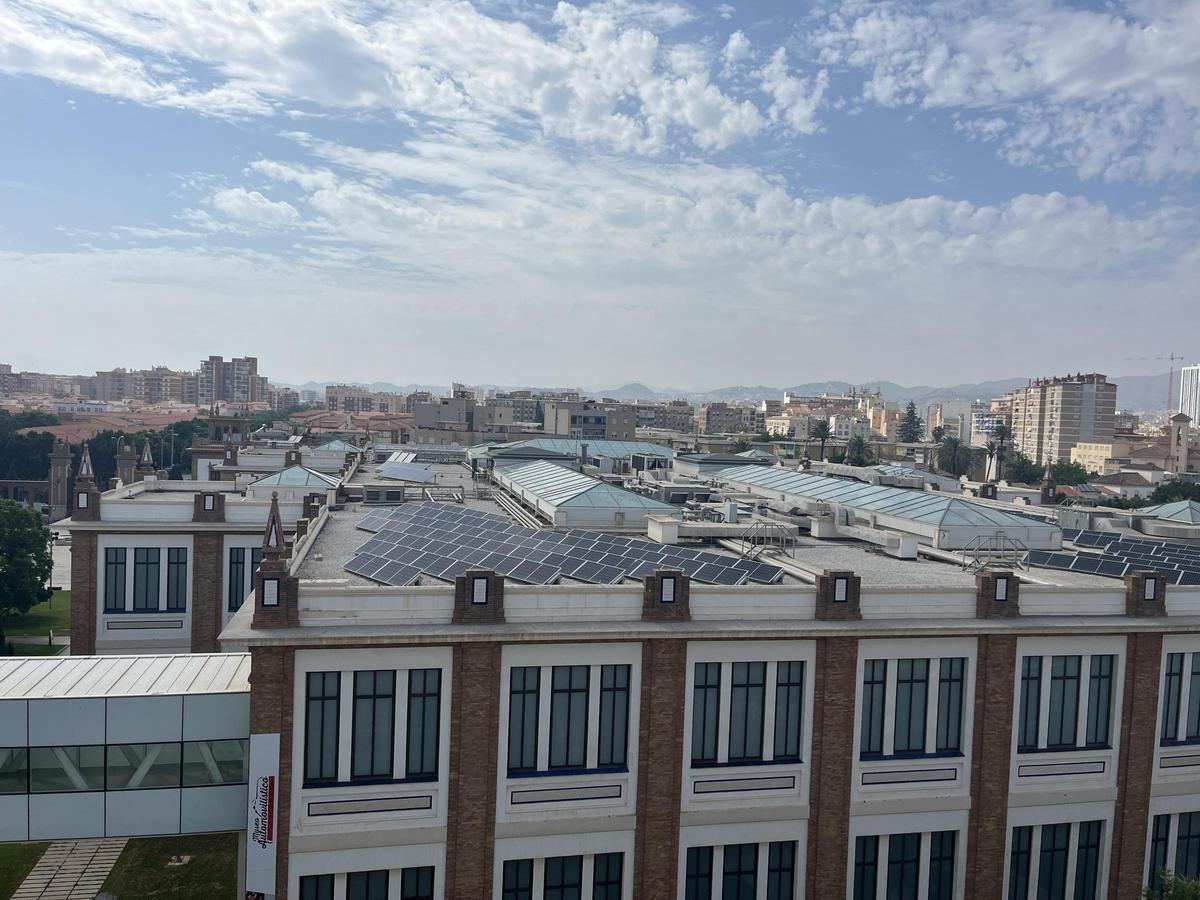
column 1135, row 766
column 272, row 673
column 660, row 768
column 474, row 738
column 829, row 607
column 84, row 592
column 833, row 737
column 991, row 756
column 208, row 552
column 653, row 606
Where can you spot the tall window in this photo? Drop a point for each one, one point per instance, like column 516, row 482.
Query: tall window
column 568, row 717
column 950, row 701
column 698, row 874
column 367, row 885
column 941, row 865
column 114, row 579
column 316, row 887
column 873, row 703
column 606, row 876
column 789, row 710
column 912, row 689
column 1071, row 717
column 145, row 578
column 866, row 866
column 739, row 879
column 1179, row 724
column 1087, row 861
column 237, row 577
column 1052, row 843
column 1031, row 703
column 523, row 718
column 706, row 711
column 371, row 743
column 904, row 866
column 416, row 883
column 424, row 715
column 517, row 881
column 563, row 877
column 1019, row 862
column 321, row 726
column 1064, row 702
column 1052, row 863
column 747, row 695
column 1187, row 846
column 177, row 579
column 781, row 870
column 256, row 557
column 614, row 715
column 1160, row 837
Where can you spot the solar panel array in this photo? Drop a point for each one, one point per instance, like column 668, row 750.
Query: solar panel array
column 444, row 541
column 1114, row 556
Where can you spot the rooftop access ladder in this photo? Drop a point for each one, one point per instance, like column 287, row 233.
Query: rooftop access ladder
column 996, row 549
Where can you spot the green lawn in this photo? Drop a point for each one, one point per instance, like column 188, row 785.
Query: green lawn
column 54, row 613
column 15, row 862
column 210, row 874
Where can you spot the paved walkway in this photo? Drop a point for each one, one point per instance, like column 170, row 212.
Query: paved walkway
column 71, row 870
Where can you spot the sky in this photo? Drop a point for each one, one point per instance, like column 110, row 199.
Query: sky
column 519, row 192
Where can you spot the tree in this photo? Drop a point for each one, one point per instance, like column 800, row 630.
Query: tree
column 819, row 431
column 1022, row 469
column 1001, row 434
column 995, row 455
column 1070, row 473
column 911, row 427
column 858, row 452
column 741, row 446
column 1172, row 887
column 763, row 438
column 953, row 456
column 25, row 561
column 1174, row 491
column 939, row 432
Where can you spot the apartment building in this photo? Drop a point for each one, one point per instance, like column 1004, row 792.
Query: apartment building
column 1052, row 415
column 606, row 420
column 155, row 385
column 675, row 415
column 235, row 381
column 722, row 418
column 882, row 731
column 354, row 398
column 1189, row 392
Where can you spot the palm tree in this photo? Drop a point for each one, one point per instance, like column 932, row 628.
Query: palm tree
column 1000, row 434
column 992, row 449
column 858, row 451
column 938, row 433
column 819, row 431
column 953, row 456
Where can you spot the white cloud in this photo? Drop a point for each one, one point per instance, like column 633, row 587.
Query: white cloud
column 737, row 48
column 1110, row 94
column 252, row 208
column 796, row 99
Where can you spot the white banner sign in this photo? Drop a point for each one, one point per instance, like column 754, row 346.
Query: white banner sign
column 262, row 818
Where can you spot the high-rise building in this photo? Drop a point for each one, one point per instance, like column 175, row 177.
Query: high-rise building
column 235, row 381
column 1052, row 415
column 1189, row 392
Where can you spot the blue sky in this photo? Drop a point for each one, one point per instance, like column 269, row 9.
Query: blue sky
column 678, row 193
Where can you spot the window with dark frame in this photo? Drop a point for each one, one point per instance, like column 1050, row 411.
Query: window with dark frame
column 177, row 561
column 698, row 874
column 942, row 846
column 781, row 870
column 424, row 718
column 316, row 887
column 706, row 713
column 237, row 578
column 517, row 880
column 912, row 693
column 747, row 697
column 739, row 875
column 1063, row 722
column 950, row 704
column 904, row 866
column 1087, row 860
column 866, row 866
column 1172, row 694
column 1099, row 709
column 114, row 579
column 789, row 711
column 523, row 718
column 145, row 579
column 562, row 878
column 1052, row 860
column 1160, row 836
column 1187, row 846
column 1019, row 863
column 614, row 715
column 568, row 717
column 416, row 883
column 1030, row 717
column 321, row 726
column 607, row 873
column 367, row 885
column 873, row 702
column 372, row 733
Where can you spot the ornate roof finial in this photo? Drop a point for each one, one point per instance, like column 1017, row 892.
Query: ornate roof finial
column 273, row 543
column 86, row 472
column 147, row 456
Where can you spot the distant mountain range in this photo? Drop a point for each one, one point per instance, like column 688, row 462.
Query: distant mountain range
column 1136, row 393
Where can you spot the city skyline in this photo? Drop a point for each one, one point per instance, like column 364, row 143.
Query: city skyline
column 586, row 182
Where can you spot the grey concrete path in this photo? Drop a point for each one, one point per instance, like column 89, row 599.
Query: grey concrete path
column 71, row 870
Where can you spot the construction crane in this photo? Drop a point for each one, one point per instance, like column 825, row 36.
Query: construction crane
column 1171, row 357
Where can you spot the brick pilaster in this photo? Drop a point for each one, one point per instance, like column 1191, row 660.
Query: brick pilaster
column 471, row 802
column 85, row 593
column 207, row 602
column 272, row 672
column 832, row 765
column 991, row 754
column 678, row 608
column 1135, row 764
column 829, row 606
column 660, row 769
